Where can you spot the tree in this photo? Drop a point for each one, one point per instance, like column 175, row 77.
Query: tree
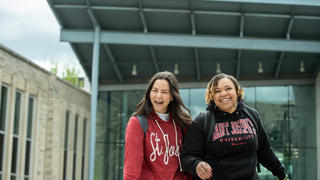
column 70, row 74
column 54, row 68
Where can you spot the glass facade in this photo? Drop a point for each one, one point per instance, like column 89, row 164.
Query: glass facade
column 288, row 114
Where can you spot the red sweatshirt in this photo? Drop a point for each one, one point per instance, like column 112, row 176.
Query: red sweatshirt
column 151, row 157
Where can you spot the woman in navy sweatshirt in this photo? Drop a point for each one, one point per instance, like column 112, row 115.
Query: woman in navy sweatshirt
column 228, row 141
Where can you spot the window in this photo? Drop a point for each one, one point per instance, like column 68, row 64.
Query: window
column 29, row 137
column 66, row 132
column 3, row 107
column 16, row 123
column 75, row 147
column 83, row 147
column 3, row 116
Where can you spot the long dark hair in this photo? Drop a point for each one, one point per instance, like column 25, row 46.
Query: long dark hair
column 175, row 106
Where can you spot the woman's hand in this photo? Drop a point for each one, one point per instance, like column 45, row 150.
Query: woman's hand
column 204, row 170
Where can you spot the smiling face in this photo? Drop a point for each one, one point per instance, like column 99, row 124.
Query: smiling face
column 225, row 95
column 160, row 96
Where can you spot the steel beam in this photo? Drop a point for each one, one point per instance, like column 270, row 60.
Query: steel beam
column 241, row 26
column 241, row 34
column 143, row 21
column 238, row 64
column 222, row 13
column 154, row 59
column 277, row 2
column 185, row 11
column 196, row 56
column 157, row 10
column 307, row 17
column 93, row 18
column 199, row 41
column 264, row 15
column 193, row 23
column 142, row 18
column 316, row 71
column 290, row 25
column 86, row 66
column 106, row 47
column 194, row 32
column 69, row 6
column 145, row 30
column 187, row 85
column 113, row 62
column 276, row 73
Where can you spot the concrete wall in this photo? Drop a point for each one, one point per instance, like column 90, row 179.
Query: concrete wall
column 53, row 97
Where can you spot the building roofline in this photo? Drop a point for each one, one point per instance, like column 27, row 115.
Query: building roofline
column 34, row 65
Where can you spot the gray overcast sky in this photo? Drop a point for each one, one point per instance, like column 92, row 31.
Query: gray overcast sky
column 29, row 28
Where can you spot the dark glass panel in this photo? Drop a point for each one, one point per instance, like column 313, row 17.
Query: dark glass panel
column 3, row 107
column 65, row 157
column 84, row 136
column 66, row 130
column 82, row 167
column 14, row 155
column 17, row 109
column 74, row 166
column 27, row 160
column 75, row 133
column 1, row 150
column 30, row 117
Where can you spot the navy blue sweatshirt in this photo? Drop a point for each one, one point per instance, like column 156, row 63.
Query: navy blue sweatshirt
column 235, row 146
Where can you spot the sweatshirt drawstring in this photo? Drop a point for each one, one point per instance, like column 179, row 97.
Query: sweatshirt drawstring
column 176, row 134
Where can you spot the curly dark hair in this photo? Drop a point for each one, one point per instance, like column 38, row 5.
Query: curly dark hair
column 214, row 82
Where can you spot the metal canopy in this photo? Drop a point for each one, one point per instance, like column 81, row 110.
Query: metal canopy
column 279, row 36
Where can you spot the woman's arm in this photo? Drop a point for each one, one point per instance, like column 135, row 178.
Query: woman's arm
column 134, row 150
column 194, row 145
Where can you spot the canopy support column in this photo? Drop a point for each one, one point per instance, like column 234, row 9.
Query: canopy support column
column 94, row 97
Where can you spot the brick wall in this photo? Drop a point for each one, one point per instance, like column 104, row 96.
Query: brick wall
column 53, row 97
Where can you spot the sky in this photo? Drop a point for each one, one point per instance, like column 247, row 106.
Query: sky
column 29, row 28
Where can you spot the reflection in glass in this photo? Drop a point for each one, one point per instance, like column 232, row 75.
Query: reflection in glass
column 288, row 115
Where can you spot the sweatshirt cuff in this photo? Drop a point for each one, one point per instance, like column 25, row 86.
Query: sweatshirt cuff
column 195, row 166
column 281, row 175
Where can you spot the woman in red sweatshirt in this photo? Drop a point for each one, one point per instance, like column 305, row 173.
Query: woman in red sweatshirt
column 155, row 154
